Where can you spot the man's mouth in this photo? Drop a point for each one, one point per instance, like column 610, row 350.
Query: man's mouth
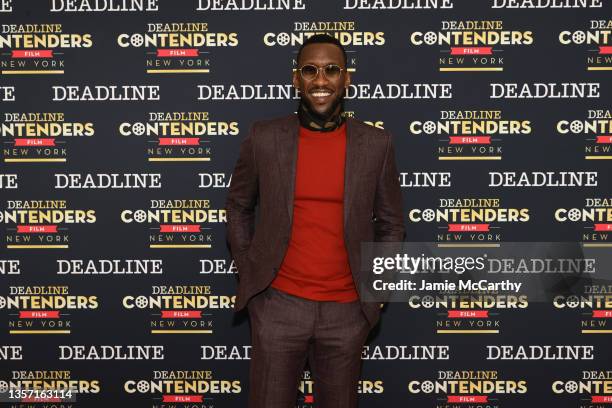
column 320, row 94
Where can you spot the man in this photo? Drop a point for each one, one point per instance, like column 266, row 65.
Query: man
column 324, row 184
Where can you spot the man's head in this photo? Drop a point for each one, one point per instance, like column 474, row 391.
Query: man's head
column 322, row 94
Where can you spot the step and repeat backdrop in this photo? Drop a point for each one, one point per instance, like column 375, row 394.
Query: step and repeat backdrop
column 120, row 126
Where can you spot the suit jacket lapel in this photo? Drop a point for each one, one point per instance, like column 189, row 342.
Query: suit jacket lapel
column 287, row 150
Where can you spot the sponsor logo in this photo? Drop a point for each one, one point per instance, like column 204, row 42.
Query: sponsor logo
column 43, row 309
column 37, row 48
column 595, row 130
column 41, row 224
column 34, row 137
column 594, row 305
column 595, row 216
column 470, row 135
column 467, row 387
column 178, row 136
column 596, row 41
column 181, row 223
column 179, row 309
column 472, row 45
column 177, row 48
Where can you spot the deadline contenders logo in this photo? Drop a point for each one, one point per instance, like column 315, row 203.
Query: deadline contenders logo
column 52, row 388
column 472, row 45
column 467, row 388
column 39, row 136
column 178, row 136
column 595, row 306
column 595, row 217
column 594, row 387
column 473, row 221
column 595, row 130
column 345, row 31
column 470, row 135
column 37, row 48
column 43, row 309
column 468, row 311
column 41, row 224
column 180, row 309
column 596, row 40
column 180, row 223
column 193, row 388
column 177, row 48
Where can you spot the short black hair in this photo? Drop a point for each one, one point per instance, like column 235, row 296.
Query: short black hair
column 322, row 39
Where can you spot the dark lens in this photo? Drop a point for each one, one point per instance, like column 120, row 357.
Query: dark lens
column 309, row 71
column 332, row 71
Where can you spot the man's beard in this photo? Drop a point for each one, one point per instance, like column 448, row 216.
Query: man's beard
column 329, row 112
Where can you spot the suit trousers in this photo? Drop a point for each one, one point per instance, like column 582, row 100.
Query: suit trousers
column 287, row 331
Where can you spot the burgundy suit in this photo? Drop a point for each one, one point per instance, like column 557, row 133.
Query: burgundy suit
column 288, row 330
column 265, row 176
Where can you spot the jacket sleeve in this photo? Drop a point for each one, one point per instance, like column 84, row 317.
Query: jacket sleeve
column 242, row 197
column 388, row 213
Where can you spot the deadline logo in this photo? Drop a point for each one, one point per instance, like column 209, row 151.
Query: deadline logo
column 35, row 49
column 595, row 306
column 178, row 223
column 193, row 388
column 593, row 387
column 180, row 309
column 306, row 388
column 250, row 5
column 468, row 312
column 43, row 309
column 178, row 136
column 61, row 387
column 596, row 131
column 596, row 214
column 472, row 45
column 177, row 48
column 595, row 40
column 467, row 387
column 469, row 220
column 39, row 136
column 345, row 31
column 41, row 224
column 470, row 135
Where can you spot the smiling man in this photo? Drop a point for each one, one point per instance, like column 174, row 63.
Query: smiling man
column 324, row 184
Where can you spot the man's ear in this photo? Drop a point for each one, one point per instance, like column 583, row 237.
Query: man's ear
column 347, row 80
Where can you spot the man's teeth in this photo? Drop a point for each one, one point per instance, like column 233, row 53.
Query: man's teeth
column 320, row 94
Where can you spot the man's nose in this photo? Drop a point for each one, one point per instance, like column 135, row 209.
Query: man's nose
column 320, row 79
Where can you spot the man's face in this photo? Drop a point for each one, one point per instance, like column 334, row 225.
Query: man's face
column 322, row 55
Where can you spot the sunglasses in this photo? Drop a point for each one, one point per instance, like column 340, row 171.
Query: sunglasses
column 310, row 72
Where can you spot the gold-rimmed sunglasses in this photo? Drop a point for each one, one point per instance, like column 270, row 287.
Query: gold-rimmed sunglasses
column 310, row 72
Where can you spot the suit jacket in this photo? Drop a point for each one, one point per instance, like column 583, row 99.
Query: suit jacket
column 264, row 176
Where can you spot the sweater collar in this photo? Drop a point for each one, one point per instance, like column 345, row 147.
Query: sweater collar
column 313, row 122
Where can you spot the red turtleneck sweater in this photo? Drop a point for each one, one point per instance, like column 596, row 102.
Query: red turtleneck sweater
column 316, row 262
